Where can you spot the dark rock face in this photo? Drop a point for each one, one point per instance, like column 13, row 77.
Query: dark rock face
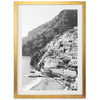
column 38, row 38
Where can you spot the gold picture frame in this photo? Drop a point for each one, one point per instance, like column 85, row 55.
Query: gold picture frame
column 16, row 3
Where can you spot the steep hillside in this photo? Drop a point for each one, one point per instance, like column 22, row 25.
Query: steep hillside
column 39, row 37
column 59, row 61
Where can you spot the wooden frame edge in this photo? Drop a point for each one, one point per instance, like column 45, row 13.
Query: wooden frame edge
column 48, row 2
column 84, row 47
column 15, row 50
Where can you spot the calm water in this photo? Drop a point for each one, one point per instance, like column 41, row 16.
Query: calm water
column 26, row 68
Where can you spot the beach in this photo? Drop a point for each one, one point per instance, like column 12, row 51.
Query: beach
column 39, row 83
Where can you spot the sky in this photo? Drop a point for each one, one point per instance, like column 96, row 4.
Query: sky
column 35, row 15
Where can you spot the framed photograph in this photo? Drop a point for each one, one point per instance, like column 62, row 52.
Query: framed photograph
column 49, row 49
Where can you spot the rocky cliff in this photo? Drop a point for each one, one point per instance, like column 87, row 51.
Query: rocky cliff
column 39, row 37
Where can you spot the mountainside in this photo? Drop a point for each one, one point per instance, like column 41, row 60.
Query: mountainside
column 39, row 37
column 59, row 62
